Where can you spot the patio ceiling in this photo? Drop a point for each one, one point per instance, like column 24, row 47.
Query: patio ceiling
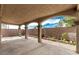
column 21, row 13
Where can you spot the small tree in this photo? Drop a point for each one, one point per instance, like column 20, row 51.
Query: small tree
column 68, row 22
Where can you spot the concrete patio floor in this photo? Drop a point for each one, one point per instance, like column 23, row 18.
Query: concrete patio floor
column 20, row 46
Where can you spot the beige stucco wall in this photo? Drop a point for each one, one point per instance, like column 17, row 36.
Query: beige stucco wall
column 48, row 32
column 10, row 32
column 52, row 32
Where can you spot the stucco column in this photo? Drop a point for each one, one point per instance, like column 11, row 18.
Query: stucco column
column 1, row 10
column 0, row 33
column 77, row 38
column 77, row 31
column 39, row 32
column 19, row 30
column 26, row 32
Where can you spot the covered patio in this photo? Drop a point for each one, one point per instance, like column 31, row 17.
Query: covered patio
column 25, row 14
column 20, row 46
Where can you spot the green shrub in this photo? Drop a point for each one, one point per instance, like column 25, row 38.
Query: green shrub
column 64, row 36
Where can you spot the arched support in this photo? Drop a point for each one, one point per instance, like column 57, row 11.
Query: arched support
column 26, row 31
column 39, row 32
column 19, row 30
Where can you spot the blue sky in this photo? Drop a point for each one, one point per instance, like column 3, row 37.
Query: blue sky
column 49, row 23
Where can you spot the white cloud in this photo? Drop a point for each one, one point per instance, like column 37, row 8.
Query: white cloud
column 32, row 24
column 13, row 27
column 51, row 21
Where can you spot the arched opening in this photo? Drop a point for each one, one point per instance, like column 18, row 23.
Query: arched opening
column 32, row 29
column 32, row 25
column 9, row 30
column 60, row 28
